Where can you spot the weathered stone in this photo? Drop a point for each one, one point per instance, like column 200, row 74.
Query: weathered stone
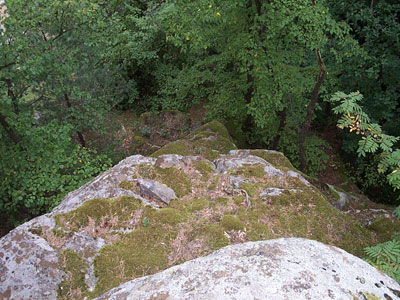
column 239, row 159
column 154, row 190
column 275, row 269
column 298, row 176
column 169, row 160
column 28, row 267
column 271, row 192
column 236, row 182
column 105, row 185
column 342, row 200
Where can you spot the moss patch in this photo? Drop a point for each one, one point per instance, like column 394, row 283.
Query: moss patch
column 213, row 235
column 209, row 141
column 230, row 222
column 189, row 206
column 214, row 127
column 126, row 185
column 276, row 159
column 205, row 169
column 385, row 228
column 172, row 177
column 177, row 147
column 248, row 171
column 113, row 212
column 213, row 184
column 73, row 285
column 165, row 216
column 140, row 253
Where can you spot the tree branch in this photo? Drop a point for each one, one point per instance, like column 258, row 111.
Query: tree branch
column 11, row 133
column 7, row 65
column 310, row 109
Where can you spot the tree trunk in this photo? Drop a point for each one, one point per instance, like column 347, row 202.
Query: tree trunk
column 282, row 118
column 310, row 109
column 11, row 133
column 80, row 135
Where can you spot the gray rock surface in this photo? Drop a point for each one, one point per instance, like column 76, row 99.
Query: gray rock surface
column 298, row 176
column 239, row 158
column 105, row 185
column 343, row 198
column 28, row 267
column 151, row 189
column 276, row 269
column 271, row 192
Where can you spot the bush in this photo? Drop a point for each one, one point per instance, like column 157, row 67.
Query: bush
column 37, row 172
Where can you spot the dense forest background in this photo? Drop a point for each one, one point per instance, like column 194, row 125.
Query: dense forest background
column 310, row 78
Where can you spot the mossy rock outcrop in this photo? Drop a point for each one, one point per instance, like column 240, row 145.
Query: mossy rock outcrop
column 208, row 141
column 117, row 228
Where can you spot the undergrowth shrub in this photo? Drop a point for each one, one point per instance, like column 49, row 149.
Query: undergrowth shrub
column 386, row 257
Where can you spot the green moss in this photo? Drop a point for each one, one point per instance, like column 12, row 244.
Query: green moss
column 189, row 206
column 205, row 169
column 172, row 177
column 212, row 149
column 385, row 228
column 230, row 222
column 250, row 188
column 137, row 142
column 215, row 127
column 175, row 179
column 213, row 235
column 239, row 199
column 334, row 194
column 258, row 232
column 177, row 147
column 100, row 210
column 213, row 184
column 370, row 296
column 165, row 216
column 276, row 159
column 74, row 281
column 222, row 200
column 201, row 143
column 126, row 185
column 249, row 171
column 142, row 252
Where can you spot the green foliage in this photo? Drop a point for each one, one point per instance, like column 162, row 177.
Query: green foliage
column 229, row 43
column 315, row 155
column 386, row 257
column 397, row 211
column 55, row 83
column 376, row 72
column 146, row 222
column 372, row 137
column 42, row 168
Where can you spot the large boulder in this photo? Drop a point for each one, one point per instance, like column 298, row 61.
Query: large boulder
column 276, row 269
column 147, row 214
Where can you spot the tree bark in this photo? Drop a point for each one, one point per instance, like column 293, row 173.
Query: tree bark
column 282, row 123
column 310, row 109
column 11, row 133
column 79, row 134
